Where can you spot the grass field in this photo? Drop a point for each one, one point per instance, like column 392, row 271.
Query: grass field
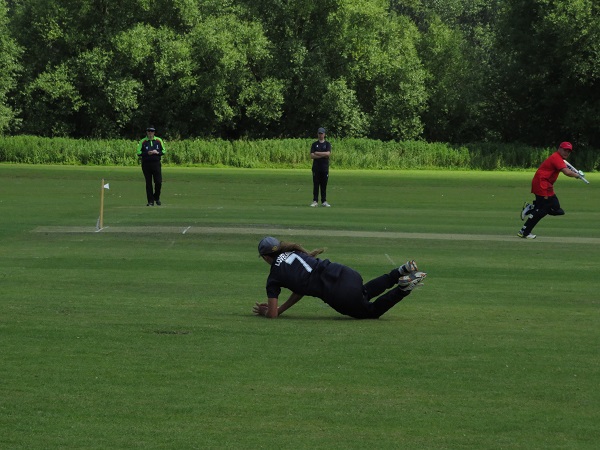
column 141, row 335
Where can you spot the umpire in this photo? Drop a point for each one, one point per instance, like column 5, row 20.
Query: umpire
column 150, row 150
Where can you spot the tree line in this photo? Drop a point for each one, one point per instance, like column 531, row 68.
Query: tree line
column 452, row 71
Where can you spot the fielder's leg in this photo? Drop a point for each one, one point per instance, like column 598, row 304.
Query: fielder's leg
column 388, row 300
column 381, row 284
column 324, row 178
column 315, row 186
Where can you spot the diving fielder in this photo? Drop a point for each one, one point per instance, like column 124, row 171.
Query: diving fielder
column 342, row 288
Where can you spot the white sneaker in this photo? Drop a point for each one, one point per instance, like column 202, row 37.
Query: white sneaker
column 313, row 204
column 408, row 267
column 325, row 204
column 527, row 208
column 529, row 236
column 411, row 281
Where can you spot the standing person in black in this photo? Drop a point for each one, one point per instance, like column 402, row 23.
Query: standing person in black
column 339, row 286
column 319, row 153
column 150, row 150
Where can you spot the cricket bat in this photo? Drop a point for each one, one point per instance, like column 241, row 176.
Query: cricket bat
column 578, row 172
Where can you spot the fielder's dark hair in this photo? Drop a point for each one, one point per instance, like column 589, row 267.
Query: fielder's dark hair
column 294, row 247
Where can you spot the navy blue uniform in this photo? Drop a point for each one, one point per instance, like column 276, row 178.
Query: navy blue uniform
column 337, row 285
column 320, row 170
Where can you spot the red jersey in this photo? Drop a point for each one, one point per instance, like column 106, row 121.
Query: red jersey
column 544, row 178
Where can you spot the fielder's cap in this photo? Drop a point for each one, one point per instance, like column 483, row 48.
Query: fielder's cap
column 321, row 130
column 151, row 128
column 268, row 245
column 566, row 146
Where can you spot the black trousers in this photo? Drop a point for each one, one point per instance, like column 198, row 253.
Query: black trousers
column 351, row 298
column 320, row 182
column 152, row 171
column 543, row 206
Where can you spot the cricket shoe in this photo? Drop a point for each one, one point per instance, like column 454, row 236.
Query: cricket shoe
column 326, row 205
column 313, row 204
column 526, row 236
column 411, row 281
column 527, row 208
column 408, row 267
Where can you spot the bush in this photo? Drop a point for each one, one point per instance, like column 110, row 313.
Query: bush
column 351, row 153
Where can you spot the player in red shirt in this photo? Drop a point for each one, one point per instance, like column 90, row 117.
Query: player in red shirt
column 542, row 186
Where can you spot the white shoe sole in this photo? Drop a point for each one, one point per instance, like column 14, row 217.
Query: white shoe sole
column 411, row 281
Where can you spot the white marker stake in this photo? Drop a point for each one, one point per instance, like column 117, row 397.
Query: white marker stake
column 100, row 223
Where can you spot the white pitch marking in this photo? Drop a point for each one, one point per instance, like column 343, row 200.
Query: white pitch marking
column 185, row 231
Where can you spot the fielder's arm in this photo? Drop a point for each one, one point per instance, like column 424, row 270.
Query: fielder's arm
column 270, row 309
column 273, row 311
column 571, row 171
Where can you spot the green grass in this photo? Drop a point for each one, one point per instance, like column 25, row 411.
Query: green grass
column 146, row 339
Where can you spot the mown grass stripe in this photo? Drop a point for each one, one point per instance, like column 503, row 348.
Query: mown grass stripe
column 302, row 232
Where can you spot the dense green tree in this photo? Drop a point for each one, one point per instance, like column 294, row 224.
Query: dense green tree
column 108, row 69
column 10, row 66
column 235, row 95
column 444, row 70
column 455, row 86
column 548, row 71
column 378, row 51
column 455, row 48
column 300, row 59
column 356, row 49
column 77, row 82
column 52, row 102
column 342, row 112
column 153, row 78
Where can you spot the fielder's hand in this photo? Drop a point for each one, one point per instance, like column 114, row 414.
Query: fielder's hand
column 260, row 309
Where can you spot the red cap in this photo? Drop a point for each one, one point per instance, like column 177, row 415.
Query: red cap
column 566, row 146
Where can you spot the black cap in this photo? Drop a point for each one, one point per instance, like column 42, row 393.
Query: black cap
column 321, row 130
column 151, row 128
column 268, row 245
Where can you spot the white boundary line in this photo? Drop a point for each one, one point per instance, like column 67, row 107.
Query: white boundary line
column 282, row 233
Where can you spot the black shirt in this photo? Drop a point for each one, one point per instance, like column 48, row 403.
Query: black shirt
column 321, row 164
column 302, row 274
column 146, row 145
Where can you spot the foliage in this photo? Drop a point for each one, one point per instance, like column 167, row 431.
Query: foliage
column 38, row 150
column 350, row 153
column 549, row 52
column 10, row 66
column 382, row 66
column 446, row 71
